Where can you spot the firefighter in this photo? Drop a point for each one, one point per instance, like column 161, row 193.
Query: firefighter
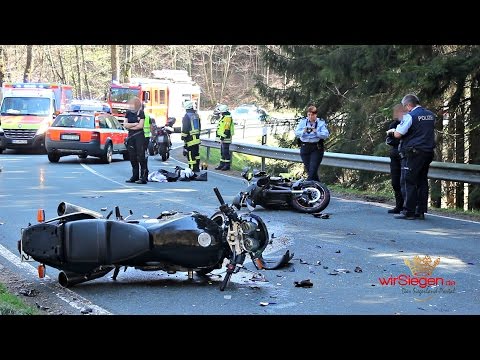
column 191, row 136
column 225, row 131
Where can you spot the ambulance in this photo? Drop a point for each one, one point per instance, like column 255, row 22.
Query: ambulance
column 26, row 112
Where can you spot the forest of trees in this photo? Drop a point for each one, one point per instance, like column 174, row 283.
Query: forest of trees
column 354, row 87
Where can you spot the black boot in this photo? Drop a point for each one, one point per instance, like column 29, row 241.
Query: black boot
column 221, row 166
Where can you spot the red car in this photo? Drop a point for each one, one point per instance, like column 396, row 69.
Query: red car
column 85, row 134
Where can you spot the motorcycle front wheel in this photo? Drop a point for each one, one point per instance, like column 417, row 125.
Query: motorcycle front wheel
column 315, row 197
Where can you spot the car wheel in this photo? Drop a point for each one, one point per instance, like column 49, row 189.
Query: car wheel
column 53, row 157
column 108, row 154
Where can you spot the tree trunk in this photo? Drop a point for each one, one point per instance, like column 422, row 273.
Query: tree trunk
column 63, row 77
column 473, row 140
column 460, row 153
column 85, row 73
column 79, row 74
column 115, row 62
column 2, row 66
column 28, row 67
column 436, row 185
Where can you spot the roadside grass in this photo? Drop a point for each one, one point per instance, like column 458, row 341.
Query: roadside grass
column 13, row 305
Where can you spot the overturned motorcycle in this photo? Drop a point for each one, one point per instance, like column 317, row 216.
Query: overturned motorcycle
column 85, row 246
column 281, row 193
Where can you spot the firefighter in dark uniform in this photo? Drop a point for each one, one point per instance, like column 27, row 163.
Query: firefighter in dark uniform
column 135, row 118
column 225, row 131
column 417, row 134
column 395, row 160
column 191, row 136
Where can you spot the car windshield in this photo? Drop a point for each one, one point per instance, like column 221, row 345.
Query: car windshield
column 74, row 121
column 122, row 95
column 26, row 106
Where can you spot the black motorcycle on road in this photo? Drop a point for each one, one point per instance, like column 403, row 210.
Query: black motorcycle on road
column 84, row 245
column 160, row 141
column 280, row 193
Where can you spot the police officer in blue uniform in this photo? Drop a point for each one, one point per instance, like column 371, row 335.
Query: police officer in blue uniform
column 312, row 131
column 417, row 134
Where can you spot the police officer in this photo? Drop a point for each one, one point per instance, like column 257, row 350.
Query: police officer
column 225, row 131
column 395, row 160
column 312, row 132
column 417, row 134
column 135, row 118
column 191, row 135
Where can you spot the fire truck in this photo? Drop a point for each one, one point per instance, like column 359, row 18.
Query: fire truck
column 163, row 94
column 27, row 110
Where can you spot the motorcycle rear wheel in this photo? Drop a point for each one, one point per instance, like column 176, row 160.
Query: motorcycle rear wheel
column 151, row 149
column 302, row 203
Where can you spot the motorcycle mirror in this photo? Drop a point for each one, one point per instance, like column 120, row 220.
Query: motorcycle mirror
column 40, row 215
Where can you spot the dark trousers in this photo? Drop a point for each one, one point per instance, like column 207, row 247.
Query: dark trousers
column 136, row 151
column 147, row 141
column 193, row 155
column 225, row 158
column 312, row 157
column 414, row 181
column 395, row 174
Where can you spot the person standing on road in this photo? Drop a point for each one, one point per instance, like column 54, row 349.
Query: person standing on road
column 395, row 160
column 147, row 130
column 135, row 118
column 225, row 131
column 191, row 136
column 417, row 134
column 312, row 131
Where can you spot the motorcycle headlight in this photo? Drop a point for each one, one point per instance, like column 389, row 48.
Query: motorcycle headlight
column 43, row 127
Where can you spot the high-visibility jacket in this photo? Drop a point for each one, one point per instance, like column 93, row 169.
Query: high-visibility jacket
column 191, row 128
column 225, row 128
column 146, row 125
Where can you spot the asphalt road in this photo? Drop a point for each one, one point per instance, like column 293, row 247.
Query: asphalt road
column 358, row 235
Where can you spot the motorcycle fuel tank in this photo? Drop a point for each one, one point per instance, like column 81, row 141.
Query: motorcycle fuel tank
column 191, row 240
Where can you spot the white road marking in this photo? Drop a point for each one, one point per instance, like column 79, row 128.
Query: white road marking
column 388, row 206
column 70, row 297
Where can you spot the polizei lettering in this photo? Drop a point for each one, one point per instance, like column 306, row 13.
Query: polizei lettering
column 426, row 117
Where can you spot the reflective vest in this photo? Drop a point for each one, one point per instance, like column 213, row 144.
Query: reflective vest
column 225, row 129
column 191, row 129
column 146, row 125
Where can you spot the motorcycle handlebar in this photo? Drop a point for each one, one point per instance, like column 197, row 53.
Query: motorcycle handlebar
column 219, row 196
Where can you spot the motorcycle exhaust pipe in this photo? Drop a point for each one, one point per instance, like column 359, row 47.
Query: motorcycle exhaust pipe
column 65, row 208
column 68, row 279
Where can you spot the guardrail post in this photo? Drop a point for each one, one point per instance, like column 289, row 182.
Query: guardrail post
column 264, row 142
column 244, row 126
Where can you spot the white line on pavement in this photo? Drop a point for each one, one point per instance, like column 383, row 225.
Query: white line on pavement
column 70, row 297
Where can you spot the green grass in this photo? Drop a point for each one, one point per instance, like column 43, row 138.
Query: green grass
column 239, row 161
column 13, row 305
column 380, row 195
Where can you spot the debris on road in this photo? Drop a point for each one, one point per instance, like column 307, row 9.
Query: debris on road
column 370, row 248
column 337, row 252
column 321, row 216
column 265, row 303
column 345, row 271
column 318, row 246
column 304, row 283
column 470, row 263
column 87, row 310
column 28, row 292
column 318, row 263
column 255, row 287
column 227, row 297
column 351, row 233
column 304, row 262
column 145, row 216
column 358, row 269
column 325, row 267
column 41, row 307
column 334, row 272
column 103, row 209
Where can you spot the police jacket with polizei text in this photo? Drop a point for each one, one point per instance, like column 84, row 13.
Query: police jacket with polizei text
column 225, row 128
column 421, row 133
column 191, row 128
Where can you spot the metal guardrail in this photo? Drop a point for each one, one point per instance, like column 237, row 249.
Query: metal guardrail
column 467, row 173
